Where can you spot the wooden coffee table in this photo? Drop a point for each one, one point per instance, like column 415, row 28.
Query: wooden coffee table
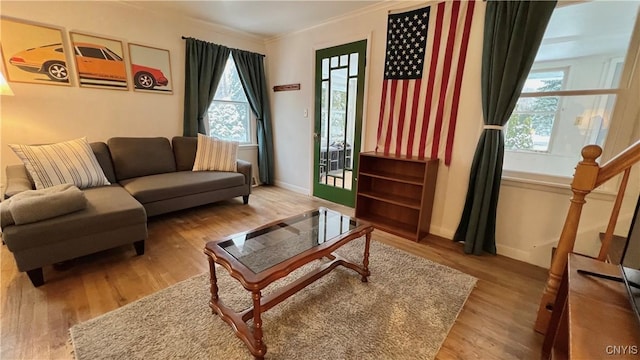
column 261, row 256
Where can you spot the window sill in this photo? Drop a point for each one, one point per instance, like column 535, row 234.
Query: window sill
column 248, row 146
column 562, row 187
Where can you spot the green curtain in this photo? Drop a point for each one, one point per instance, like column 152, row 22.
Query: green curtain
column 251, row 70
column 513, row 31
column 204, row 65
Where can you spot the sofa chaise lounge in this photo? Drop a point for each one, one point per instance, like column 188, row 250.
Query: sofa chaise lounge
column 148, row 176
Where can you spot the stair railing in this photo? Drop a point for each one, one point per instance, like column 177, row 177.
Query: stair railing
column 588, row 176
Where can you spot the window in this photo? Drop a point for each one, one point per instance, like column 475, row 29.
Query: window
column 110, row 55
column 97, row 52
column 569, row 96
column 229, row 112
column 530, row 126
column 91, row 52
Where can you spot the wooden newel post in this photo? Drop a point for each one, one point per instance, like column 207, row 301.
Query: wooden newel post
column 584, row 181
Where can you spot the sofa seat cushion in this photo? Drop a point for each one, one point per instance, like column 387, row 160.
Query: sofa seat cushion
column 107, row 207
column 160, row 187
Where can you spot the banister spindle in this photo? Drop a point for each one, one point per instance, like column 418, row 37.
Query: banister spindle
column 615, row 212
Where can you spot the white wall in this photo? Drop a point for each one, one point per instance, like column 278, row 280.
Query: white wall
column 530, row 218
column 44, row 114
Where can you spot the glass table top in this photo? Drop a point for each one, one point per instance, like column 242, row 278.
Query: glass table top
column 261, row 249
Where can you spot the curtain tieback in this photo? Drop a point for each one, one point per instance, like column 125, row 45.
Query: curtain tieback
column 493, row 127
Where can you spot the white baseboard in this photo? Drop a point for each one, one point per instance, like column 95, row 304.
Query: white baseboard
column 513, row 253
column 507, row 251
column 442, row 232
column 294, row 188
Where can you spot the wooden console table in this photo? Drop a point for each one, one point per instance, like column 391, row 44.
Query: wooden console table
column 596, row 320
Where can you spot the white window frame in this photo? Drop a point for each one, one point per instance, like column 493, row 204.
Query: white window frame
column 252, row 123
column 553, row 135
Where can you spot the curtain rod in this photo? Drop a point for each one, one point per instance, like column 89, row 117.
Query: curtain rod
column 185, row 38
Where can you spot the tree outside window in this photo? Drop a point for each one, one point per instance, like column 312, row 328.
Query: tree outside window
column 229, row 111
column 531, row 123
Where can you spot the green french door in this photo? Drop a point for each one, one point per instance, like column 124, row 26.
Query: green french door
column 339, row 95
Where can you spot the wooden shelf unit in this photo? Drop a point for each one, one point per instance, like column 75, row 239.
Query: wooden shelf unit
column 395, row 193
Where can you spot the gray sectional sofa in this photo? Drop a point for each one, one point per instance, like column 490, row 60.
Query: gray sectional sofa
column 149, row 176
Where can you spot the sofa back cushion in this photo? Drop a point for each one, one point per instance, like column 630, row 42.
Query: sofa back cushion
column 184, row 149
column 101, row 151
column 135, row 157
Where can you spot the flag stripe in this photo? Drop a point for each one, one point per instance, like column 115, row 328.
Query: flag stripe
column 458, row 85
column 432, row 75
column 403, row 110
column 387, row 141
column 414, row 116
column 445, row 79
column 382, row 107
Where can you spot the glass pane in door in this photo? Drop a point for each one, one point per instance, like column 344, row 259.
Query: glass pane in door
column 324, row 130
column 337, row 124
column 350, row 129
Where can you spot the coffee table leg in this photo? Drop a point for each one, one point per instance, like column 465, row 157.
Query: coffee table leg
column 365, row 261
column 257, row 325
column 214, row 283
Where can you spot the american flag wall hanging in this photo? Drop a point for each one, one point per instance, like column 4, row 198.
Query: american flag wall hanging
column 424, row 64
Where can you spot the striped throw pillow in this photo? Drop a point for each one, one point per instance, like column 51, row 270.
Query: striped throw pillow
column 69, row 162
column 215, row 155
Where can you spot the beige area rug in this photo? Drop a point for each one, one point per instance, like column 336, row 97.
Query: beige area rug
column 404, row 312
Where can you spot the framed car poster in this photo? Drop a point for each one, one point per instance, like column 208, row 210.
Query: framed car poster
column 99, row 62
column 33, row 53
column 150, row 69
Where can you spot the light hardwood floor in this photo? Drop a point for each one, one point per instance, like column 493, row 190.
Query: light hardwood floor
column 495, row 323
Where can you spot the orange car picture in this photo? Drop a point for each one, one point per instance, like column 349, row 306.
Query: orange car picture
column 47, row 59
column 97, row 65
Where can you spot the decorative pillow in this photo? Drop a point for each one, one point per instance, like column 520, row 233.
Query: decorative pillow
column 215, row 154
column 69, row 162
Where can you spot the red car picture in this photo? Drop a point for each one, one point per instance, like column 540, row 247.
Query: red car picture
column 147, row 78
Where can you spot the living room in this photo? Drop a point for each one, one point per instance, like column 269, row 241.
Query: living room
column 530, row 214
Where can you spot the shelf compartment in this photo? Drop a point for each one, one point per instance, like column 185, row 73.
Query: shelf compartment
column 415, row 180
column 393, row 192
column 393, row 218
column 392, row 227
column 397, row 169
column 404, row 202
